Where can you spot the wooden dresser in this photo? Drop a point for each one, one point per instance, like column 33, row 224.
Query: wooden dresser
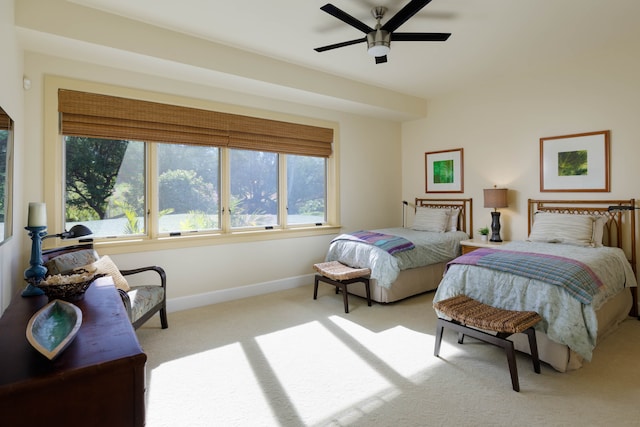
column 99, row 380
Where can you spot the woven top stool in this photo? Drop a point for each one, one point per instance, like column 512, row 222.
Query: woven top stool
column 467, row 314
column 340, row 275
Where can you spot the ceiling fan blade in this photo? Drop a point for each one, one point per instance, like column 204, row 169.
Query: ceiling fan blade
column 346, row 18
column 381, row 59
column 419, row 37
column 341, row 44
column 404, row 14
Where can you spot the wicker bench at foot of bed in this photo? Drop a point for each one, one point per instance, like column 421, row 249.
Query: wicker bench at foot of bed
column 467, row 314
column 339, row 275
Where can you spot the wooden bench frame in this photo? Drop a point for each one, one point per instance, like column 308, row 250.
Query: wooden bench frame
column 500, row 339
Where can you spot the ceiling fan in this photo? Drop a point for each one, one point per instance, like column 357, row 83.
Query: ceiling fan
column 379, row 39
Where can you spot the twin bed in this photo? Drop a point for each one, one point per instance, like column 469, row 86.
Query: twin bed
column 439, row 227
column 593, row 240
column 576, row 269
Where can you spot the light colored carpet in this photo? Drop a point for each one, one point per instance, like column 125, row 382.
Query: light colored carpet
column 284, row 359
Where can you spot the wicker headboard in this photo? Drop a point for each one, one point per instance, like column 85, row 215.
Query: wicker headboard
column 619, row 229
column 620, row 225
column 465, row 219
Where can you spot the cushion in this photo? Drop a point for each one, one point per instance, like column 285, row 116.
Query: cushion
column 70, row 261
column 453, row 219
column 337, row 271
column 563, row 228
column 143, row 299
column 431, row 219
column 106, row 266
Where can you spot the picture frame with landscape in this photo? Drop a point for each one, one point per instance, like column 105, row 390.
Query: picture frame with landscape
column 576, row 163
column 444, row 171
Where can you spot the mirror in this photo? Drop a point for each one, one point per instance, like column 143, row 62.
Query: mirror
column 6, row 175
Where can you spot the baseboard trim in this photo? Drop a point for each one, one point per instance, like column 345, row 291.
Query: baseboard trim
column 214, row 297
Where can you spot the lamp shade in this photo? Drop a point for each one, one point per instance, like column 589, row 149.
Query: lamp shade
column 495, row 198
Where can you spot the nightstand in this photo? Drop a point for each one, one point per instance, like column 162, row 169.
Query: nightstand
column 473, row 244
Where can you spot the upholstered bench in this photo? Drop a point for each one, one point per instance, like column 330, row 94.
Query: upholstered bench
column 340, row 275
column 467, row 314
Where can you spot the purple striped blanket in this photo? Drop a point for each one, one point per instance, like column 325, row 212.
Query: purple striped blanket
column 574, row 276
column 386, row 242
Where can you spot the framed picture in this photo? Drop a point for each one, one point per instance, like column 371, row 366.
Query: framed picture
column 444, row 173
column 577, row 162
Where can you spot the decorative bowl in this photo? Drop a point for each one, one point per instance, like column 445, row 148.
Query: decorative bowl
column 68, row 287
column 53, row 327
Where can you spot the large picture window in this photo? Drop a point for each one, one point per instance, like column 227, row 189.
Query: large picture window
column 137, row 169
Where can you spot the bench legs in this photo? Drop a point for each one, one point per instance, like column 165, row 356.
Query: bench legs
column 342, row 285
column 499, row 340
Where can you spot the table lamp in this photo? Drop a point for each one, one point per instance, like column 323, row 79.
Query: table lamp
column 495, row 198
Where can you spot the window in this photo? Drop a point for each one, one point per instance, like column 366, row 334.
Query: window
column 306, row 190
column 254, row 189
column 6, row 175
column 188, row 188
column 105, row 185
column 158, row 171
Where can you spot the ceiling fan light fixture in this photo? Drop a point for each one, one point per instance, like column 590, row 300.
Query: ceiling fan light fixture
column 379, row 43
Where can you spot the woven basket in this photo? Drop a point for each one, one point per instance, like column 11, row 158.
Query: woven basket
column 71, row 291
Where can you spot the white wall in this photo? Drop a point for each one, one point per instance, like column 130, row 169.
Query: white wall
column 368, row 198
column 11, row 100
column 499, row 125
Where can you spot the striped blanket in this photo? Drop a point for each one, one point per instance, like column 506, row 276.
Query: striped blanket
column 386, row 242
column 575, row 277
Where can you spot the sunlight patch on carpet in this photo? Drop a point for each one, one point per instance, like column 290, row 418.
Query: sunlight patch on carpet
column 307, row 372
column 216, row 383
column 404, row 350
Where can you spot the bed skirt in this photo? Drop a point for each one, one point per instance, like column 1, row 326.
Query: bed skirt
column 410, row 282
column 559, row 356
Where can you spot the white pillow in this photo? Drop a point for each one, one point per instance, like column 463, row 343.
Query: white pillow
column 563, row 228
column 453, row 219
column 106, row 266
column 431, row 219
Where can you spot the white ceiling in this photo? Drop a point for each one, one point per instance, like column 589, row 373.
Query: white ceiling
column 490, row 38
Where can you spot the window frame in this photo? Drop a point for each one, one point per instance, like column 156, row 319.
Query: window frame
column 153, row 239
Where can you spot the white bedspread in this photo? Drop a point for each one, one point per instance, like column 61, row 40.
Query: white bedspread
column 565, row 319
column 430, row 248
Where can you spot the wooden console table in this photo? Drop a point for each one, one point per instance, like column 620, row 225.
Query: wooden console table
column 99, row 380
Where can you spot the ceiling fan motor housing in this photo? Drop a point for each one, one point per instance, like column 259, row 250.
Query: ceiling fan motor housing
column 378, row 42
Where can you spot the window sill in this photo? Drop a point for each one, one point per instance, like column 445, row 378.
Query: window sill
column 118, row 246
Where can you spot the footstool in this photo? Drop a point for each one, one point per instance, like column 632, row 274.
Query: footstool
column 467, row 314
column 339, row 275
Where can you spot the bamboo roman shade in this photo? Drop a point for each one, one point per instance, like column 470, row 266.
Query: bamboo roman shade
column 103, row 116
column 269, row 135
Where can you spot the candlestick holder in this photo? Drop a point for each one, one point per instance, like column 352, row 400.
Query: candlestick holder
column 35, row 274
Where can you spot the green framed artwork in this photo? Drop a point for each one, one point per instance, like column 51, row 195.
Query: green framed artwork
column 444, row 171
column 577, row 163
